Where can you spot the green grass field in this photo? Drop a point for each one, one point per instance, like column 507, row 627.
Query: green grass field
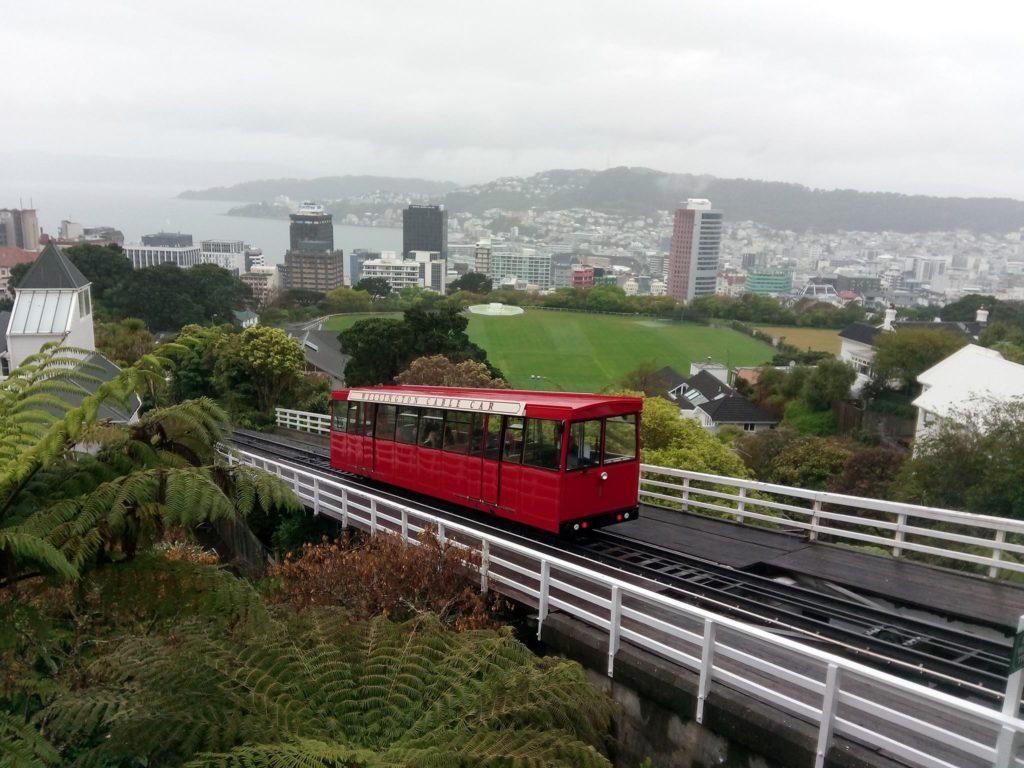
column 344, row 322
column 815, row 339
column 588, row 353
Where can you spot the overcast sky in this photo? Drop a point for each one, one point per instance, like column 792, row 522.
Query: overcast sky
column 904, row 96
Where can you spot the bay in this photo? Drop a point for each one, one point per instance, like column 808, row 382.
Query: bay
column 143, row 209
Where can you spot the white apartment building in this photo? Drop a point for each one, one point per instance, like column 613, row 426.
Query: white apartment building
column 263, row 281
column 142, row 256
column 433, row 269
column 526, row 264
column 398, row 272
column 228, row 254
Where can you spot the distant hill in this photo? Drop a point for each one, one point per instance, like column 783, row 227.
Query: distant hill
column 776, row 204
column 642, row 191
column 324, row 188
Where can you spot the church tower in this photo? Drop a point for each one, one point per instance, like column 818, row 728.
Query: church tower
column 51, row 303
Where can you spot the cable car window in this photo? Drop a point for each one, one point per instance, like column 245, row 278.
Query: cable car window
column 584, row 448
column 477, row 433
column 431, row 426
column 456, row 431
column 512, row 450
column 355, row 418
column 369, row 415
column 386, row 417
column 543, row 443
column 492, row 439
column 620, row 438
column 339, row 409
column 406, row 431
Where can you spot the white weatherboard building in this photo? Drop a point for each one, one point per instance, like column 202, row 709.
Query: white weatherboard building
column 968, row 384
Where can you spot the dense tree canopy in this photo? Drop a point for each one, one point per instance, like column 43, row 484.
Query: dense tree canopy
column 439, row 371
column 260, row 360
column 900, row 357
column 345, row 299
column 124, row 341
column 381, row 348
column 472, row 282
column 972, row 463
column 104, row 265
column 377, row 287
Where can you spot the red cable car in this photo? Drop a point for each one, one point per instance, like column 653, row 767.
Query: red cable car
column 558, row 461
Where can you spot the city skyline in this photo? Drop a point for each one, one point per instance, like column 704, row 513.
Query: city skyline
column 908, row 98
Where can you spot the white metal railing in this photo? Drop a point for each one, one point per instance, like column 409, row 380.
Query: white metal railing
column 303, row 421
column 995, row 543
column 912, row 722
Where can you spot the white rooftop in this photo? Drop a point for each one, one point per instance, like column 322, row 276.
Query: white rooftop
column 969, row 382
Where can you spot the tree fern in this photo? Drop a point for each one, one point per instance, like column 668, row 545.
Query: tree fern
column 314, row 689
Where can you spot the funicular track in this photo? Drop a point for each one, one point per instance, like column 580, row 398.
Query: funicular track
column 937, row 654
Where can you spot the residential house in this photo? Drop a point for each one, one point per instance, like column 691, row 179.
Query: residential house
column 715, row 404
column 968, row 384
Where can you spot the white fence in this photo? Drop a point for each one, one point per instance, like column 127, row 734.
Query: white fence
column 910, row 722
column 995, row 543
column 992, row 544
column 303, row 421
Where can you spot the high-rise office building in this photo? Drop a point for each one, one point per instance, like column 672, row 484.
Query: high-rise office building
column 425, row 228
column 311, row 229
column 164, row 248
column 311, row 263
column 693, row 257
column 433, row 269
column 19, row 228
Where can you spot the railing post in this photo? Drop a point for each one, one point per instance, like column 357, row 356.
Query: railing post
column 828, row 715
column 901, row 524
column 686, row 494
column 707, row 664
column 542, row 601
column 613, row 629
column 344, row 508
column 316, row 495
column 405, row 525
column 1006, row 743
column 997, row 553
column 373, row 517
column 741, row 507
column 440, row 534
column 485, row 564
column 812, row 534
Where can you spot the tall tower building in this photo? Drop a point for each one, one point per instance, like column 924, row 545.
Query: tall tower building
column 19, row 228
column 425, row 228
column 311, row 262
column 693, row 256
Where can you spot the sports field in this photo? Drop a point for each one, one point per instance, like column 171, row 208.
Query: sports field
column 583, row 352
column 344, row 322
column 814, row 339
column 587, row 353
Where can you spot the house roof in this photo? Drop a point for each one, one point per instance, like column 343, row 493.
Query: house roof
column 736, row 409
column 970, row 382
column 663, row 381
column 708, row 385
column 971, row 329
column 323, row 352
column 10, row 256
column 242, row 315
column 52, row 270
column 861, row 332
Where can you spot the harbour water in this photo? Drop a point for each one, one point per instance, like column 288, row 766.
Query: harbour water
column 141, row 210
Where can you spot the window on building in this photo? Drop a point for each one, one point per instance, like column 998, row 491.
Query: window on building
column 355, row 418
column 584, row 449
column 408, row 419
column 749, row 427
column 620, row 438
column 512, row 442
column 431, row 428
column 456, row 431
column 387, row 415
column 543, row 443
